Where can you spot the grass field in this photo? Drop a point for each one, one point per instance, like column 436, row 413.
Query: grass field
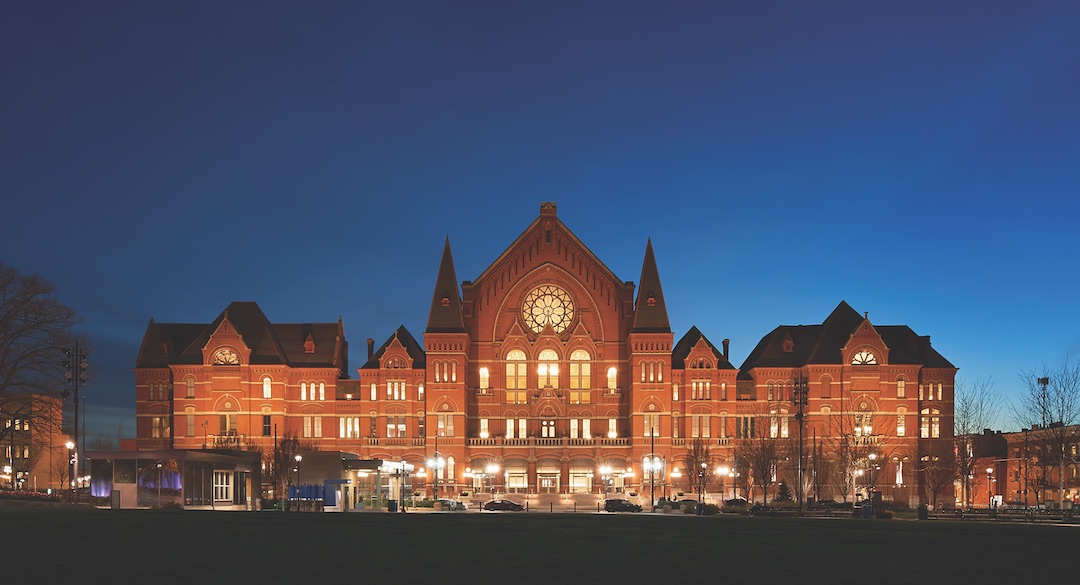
column 156, row 547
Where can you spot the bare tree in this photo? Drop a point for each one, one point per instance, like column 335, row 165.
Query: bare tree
column 700, row 468
column 938, row 468
column 34, row 327
column 764, row 451
column 976, row 407
column 1049, row 405
column 281, row 461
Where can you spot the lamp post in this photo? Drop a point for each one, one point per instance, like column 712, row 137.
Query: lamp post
column 436, row 464
column 71, row 466
column 702, row 473
column 722, row 471
column 989, row 487
column 158, row 484
column 652, row 469
column 873, row 460
column 799, row 398
column 298, row 459
column 76, row 375
column 490, row 472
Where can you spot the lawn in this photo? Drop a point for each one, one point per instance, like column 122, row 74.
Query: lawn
column 158, row 547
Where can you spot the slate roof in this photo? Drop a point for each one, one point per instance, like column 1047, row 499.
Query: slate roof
column 654, row 318
column 414, row 349
column 821, row 344
column 446, row 318
column 687, row 343
column 167, row 344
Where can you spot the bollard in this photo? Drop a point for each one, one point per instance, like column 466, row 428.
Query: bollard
column 551, row 507
column 575, row 507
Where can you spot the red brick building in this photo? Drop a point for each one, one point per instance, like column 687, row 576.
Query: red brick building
column 549, row 375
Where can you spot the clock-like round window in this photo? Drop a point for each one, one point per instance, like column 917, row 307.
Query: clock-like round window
column 226, row 357
column 864, row 358
column 548, row 306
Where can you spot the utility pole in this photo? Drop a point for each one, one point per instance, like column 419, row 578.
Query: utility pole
column 75, row 366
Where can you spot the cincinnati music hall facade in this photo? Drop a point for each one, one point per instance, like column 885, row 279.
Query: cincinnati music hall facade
column 549, row 374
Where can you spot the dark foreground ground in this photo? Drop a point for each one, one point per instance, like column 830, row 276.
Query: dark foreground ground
column 47, row 545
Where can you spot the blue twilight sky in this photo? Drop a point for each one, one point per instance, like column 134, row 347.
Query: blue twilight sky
column 916, row 159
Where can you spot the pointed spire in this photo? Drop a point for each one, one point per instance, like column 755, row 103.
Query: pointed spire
column 445, row 315
column 650, row 311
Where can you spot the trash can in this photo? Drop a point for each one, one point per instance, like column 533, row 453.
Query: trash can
column 867, row 510
column 391, row 506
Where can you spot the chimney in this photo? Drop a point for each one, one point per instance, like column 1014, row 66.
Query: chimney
column 726, row 343
column 370, row 347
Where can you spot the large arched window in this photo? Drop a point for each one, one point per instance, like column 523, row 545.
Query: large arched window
column 580, row 370
column 266, row 387
column 516, row 369
column 930, row 423
column 612, row 378
column 547, row 370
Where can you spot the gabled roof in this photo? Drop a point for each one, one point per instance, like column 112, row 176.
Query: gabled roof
column 547, row 214
column 167, row 344
column 445, row 314
column 407, row 341
column 650, row 311
column 687, row 343
column 821, row 344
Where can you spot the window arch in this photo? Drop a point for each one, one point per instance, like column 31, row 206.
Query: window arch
column 547, row 369
column 266, row 387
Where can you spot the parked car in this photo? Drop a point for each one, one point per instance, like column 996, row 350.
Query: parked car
column 509, row 505
column 620, row 505
column 452, row 505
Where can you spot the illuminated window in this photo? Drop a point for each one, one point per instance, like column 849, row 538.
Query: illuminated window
column 485, row 378
column 419, row 391
column 548, row 369
column 652, row 425
column 901, row 425
column 901, row 388
column 580, row 370
column 515, row 370
column 266, row 387
column 547, row 429
column 322, row 391
column 612, row 428
column 612, row 378
column 723, row 390
column 446, row 425
column 484, row 428
column 374, row 392
column 303, row 390
column 930, row 423
column 222, row 486
column 675, row 391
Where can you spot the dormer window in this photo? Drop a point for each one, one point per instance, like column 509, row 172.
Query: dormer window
column 864, row 358
column 309, row 345
column 788, row 346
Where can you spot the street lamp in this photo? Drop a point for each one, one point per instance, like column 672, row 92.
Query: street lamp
column 799, row 398
column 605, row 477
column 158, row 484
column 436, row 464
column 71, row 465
column 490, row 471
column 298, row 459
column 989, row 487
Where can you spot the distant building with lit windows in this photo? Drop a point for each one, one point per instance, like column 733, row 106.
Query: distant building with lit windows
column 549, row 377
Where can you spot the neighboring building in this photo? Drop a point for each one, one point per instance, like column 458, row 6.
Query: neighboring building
column 879, row 403
column 32, row 442
column 1033, row 470
column 547, row 374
